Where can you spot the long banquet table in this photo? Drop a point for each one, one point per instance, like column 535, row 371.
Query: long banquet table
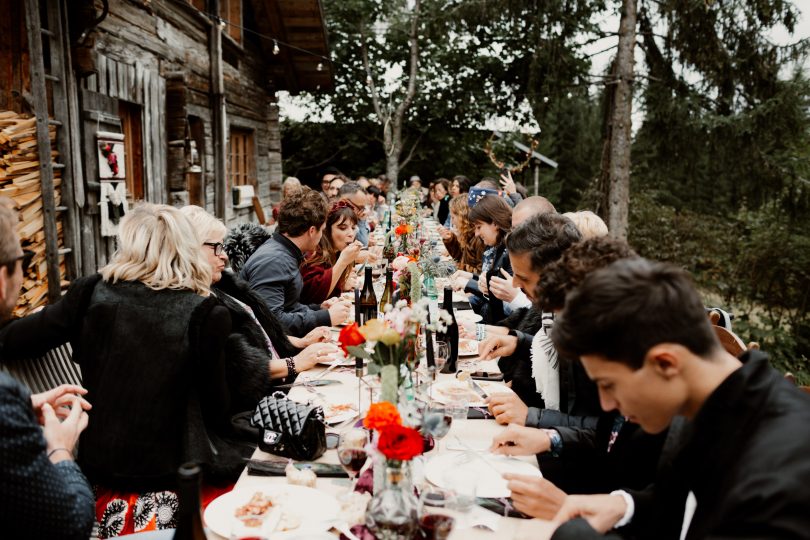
column 472, row 433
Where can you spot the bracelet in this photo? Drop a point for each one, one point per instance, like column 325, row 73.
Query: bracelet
column 55, row 450
column 292, row 373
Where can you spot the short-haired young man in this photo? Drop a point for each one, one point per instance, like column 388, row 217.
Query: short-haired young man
column 273, row 271
column 44, row 493
column 641, row 333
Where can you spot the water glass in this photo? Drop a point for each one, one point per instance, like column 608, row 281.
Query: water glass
column 465, row 486
column 457, row 408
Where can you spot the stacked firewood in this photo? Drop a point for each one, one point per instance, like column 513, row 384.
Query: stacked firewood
column 19, row 180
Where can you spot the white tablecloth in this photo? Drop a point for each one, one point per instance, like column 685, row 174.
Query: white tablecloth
column 475, row 433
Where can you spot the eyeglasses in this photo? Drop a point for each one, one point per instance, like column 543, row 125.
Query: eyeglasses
column 218, row 247
column 26, row 257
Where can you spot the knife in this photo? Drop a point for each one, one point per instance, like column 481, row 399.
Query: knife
column 465, row 376
column 315, row 382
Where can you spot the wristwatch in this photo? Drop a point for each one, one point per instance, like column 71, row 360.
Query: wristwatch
column 556, row 442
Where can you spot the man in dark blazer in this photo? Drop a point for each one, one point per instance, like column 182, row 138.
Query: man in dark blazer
column 641, row 332
column 44, row 493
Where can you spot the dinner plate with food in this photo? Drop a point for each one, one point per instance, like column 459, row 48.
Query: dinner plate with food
column 278, row 511
column 335, row 413
column 467, row 347
column 450, row 390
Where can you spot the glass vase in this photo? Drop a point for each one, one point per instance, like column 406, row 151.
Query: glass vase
column 430, row 287
column 392, row 512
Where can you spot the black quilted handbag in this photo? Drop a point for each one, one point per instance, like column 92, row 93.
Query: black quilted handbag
column 290, row 429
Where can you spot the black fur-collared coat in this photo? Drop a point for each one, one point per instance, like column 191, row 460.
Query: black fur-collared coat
column 246, row 352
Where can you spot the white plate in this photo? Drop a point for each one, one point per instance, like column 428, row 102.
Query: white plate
column 445, row 391
column 333, row 415
column 297, row 500
column 467, row 347
column 489, row 482
column 467, row 315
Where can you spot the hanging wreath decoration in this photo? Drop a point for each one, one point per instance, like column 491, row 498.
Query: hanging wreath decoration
column 500, row 164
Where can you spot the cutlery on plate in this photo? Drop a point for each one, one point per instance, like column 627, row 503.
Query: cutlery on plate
column 465, row 376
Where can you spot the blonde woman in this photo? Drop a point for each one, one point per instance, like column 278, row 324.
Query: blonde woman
column 258, row 352
column 589, row 224
column 150, row 340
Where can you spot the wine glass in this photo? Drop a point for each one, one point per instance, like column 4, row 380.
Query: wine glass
column 436, row 421
column 435, row 517
column 352, row 453
column 441, row 352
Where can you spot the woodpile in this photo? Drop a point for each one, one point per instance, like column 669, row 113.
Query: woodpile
column 19, row 180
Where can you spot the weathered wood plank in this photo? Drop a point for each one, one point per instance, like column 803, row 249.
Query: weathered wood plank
column 40, row 105
column 123, row 92
column 102, row 74
column 112, row 78
column 148, row 142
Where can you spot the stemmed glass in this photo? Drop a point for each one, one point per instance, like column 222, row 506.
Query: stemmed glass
column 441, row 352
column 435, row 519
column 352, row 453
column 436, row 421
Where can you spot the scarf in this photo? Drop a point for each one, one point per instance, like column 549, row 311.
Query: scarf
column 545, row 365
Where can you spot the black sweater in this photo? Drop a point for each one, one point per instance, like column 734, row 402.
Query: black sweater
column 154, row 366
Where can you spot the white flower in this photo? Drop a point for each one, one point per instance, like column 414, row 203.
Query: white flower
column 401, row 304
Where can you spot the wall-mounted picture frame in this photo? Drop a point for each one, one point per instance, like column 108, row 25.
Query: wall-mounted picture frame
column 111, row 155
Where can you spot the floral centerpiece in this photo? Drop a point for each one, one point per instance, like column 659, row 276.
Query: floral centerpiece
column 432, row 267
column 391, row 513
column 389, row 343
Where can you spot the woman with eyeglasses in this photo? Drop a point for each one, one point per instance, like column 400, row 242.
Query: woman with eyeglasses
column 258, row 351
column 151, row 341
column 327, row 271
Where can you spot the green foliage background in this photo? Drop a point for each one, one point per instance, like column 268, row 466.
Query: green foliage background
column 720, row 162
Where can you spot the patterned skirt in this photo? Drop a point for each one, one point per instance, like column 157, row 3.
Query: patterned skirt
column 119, row 513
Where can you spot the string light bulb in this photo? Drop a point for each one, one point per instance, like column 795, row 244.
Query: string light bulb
column 320, row 66
column 569, row 95
column 545, row 99
column 275, row 47
column 221, row 22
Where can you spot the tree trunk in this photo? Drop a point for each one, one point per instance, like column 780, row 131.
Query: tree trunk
column 392, row 169
column 393, row 119
column 618, row 186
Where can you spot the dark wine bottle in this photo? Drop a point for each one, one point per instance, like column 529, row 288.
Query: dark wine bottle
column 388, row 292
column 368, row 299
column 189, row 517
column 450, row 336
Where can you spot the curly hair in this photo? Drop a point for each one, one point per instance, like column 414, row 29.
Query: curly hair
column 461, row 210
column 300, row 211
column 567, row 272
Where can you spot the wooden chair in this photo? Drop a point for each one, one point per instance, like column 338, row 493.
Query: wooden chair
column 48, row 371
column 731, row 342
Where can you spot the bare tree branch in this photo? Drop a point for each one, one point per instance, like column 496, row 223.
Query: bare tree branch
column 414, row 61
column 375, row 96
column 413, row 149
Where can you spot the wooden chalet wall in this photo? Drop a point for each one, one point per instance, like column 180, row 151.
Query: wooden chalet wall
column 146, row 71
column 142, row 44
